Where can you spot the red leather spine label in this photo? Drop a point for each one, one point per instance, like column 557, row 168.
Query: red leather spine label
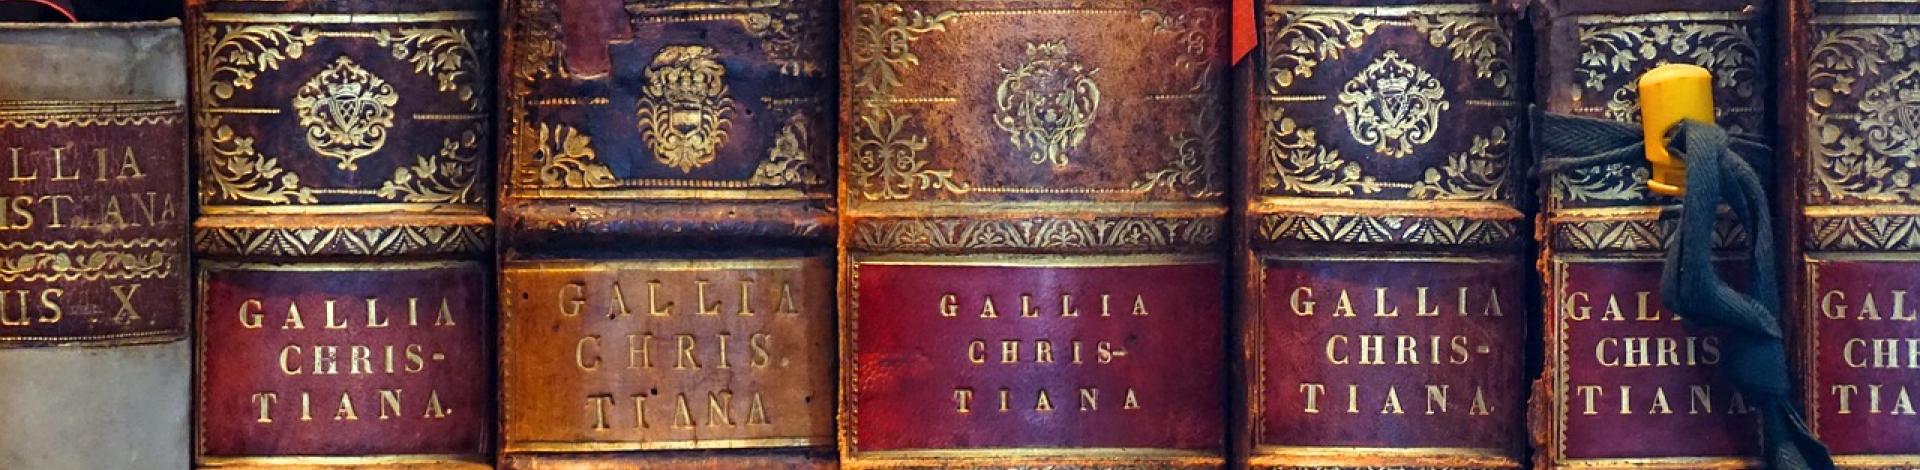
column 1630, row 379
column 1392, row 353
column 957, row 356
column 1863, row 355
column 93, row 223
column 344, row 359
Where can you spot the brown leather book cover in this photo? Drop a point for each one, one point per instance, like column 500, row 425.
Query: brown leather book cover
column 1383, row 307
column 1848, row 88
column 344, row 314
column 93, row 246
column 1626, row 384
column 667, row 285
column 1034, row 204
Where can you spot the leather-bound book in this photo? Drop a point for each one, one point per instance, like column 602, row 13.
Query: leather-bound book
column 1034, row 201
column 667, row 227
column 1849, row 88
column 94, row 358
column 1383, row 299
column 1626, row 383
column 344, row 284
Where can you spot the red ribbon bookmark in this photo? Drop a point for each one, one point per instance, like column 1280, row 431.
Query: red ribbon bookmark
column 1242, row 30
column 63, row 6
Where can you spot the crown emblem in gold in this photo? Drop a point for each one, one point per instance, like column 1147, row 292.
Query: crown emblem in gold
column 1392, row 105
column 684, row 108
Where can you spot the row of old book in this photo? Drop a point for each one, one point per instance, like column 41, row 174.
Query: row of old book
column 920, row 234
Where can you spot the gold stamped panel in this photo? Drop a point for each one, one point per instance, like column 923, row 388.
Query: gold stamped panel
column 1859, row 163
column 990, row 101
column 310, row 109
column 1391, row 103
column 1391, row 112
column 1616, row 49
column 670, row 100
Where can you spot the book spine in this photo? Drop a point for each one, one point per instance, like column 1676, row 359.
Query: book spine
column 667, row 281
column 93, row 247
column 1033, row 271
column 1848, row 130
column 344, row 307
column 1383, row 319
column 1626, row 384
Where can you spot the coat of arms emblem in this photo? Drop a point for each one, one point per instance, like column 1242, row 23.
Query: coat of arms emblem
column 346, row 111
column 684, row 107
column 1047, row 104
column 1892, row 114
column 1392, row 105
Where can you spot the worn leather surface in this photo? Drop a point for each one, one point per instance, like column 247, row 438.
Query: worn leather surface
column 673, row 122
column 1039, row 150
column 344, row 360
column 783, row 459
column 1382, row 305
column 1845, row 190
column 1604, row 235
column 411, row 84
column 77, row 230
column 1446, row 366
column 667, row 355
column 344, row 159
column 667, row 212
column 945, row 364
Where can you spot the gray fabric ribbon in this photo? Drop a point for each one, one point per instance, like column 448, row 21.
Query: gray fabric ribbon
column 1755, row 356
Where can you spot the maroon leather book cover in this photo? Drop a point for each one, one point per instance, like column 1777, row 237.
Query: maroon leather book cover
column 1382, row 306
column 1847, row 86
column 667, row 272
column 344, row 310
column 1626, row 383
column 1031, row 229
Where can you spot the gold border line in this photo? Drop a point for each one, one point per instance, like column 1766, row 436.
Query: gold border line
column 1409, row 10
column 703, row 444
column 342, row 18
column 1038, row 261
column 516, row 266
column 1198, row 209
column 381, row 209
column 398, row 459
column 1036, row 452
column 337, row 266
column 1272, row 205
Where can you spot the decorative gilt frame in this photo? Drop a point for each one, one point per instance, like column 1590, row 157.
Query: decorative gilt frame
column 1859, row 56
column 1301, row 37
column 1616, row 46
column 236, row 48
column 557, row 160
column 883, row 155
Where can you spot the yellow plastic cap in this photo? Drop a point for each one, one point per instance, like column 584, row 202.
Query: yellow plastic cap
column 1668, row 94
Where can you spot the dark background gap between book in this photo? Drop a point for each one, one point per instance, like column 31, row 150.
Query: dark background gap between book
column 94, row 10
